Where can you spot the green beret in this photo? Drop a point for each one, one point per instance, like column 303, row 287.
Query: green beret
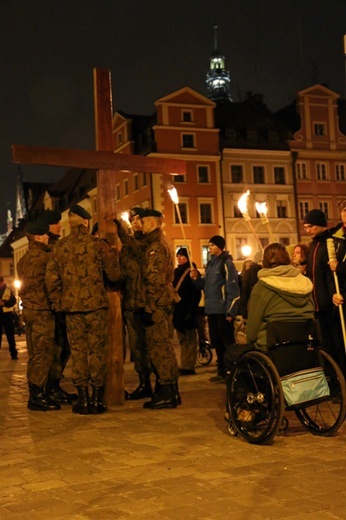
column 80, row 211
column 50, row 216
column 39, row 227
column 152, row 213
column 136, row 211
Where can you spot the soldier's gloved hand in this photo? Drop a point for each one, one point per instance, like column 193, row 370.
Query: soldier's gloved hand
column 147, row 319
column 120, row 230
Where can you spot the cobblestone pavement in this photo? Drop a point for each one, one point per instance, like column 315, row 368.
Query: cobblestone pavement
column 168, row 464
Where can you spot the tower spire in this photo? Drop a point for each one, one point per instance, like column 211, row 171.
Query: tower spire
column 218, row 79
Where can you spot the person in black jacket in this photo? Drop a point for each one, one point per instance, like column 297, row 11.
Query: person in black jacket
column 319, row 272
column 185, row 313
column 248, row 281
column 7, row 303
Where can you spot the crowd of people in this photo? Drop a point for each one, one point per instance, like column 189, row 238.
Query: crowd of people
column 66, row 309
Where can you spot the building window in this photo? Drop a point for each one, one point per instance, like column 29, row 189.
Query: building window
column 144, row 179
column 179, row 178
column 236, row 211
column 340, row 172
column 258, row 174
column 205, row 255
column 319, row 129
column 304, row 208
column 231, row 134
column 236, row 173
column 279, row 175
column 203, row 174
column 118, row 191
column 252, row 136
column 205, row 213
column 281, row 209
column 183, row 213
column 273, row 137
column 324, row 206
column 301, row 171
column 188, row 141
column 264, row 242
column 285, row 241
column 135, row 182
column 321, row 171
column 126, row 187
column 187, row 116
column 239, row 244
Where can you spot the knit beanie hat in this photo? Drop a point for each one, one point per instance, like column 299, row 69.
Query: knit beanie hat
column 316, row 217
column 183, row 252
column 218, row 241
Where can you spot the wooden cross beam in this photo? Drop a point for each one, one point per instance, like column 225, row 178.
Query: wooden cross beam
column 107, row 163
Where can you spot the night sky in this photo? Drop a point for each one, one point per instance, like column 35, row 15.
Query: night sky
column 49, row 49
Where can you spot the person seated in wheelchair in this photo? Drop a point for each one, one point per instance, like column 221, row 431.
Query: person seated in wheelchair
column 282, row 293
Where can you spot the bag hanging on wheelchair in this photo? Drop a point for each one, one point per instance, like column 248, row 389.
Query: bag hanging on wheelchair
column 305, row 385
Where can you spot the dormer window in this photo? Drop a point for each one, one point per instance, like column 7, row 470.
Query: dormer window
column 319, row 129
column 186, row 116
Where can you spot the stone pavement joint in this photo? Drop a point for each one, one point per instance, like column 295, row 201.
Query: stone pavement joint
column 132, row 463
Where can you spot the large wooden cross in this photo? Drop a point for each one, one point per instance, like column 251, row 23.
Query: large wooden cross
column 107, row 163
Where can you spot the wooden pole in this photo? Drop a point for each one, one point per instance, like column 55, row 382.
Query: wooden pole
column 106, row 197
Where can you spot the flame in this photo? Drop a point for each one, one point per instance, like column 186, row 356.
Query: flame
column 261, row 208
column 125, row 217
column 174, row 195
column 242, row 205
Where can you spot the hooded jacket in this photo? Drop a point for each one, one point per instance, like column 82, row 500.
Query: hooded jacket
column 281, row 294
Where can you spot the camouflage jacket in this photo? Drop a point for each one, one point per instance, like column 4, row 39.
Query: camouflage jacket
column 76, row 269
column 31, row 270
column 158, row 272
column 132, row 256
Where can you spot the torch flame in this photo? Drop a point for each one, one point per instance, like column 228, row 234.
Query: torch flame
column 174, row 195
column 261, row 208
column 242, row 205
column 125, row 217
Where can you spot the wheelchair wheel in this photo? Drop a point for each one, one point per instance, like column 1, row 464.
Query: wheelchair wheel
column 204, row 353
column 255, row 398
column 326, row 417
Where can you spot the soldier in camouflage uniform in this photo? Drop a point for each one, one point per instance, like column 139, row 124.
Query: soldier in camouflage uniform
column 131, row 261
column 53, row 219
column 38, row 316
column 75, row 282
column 158, row 271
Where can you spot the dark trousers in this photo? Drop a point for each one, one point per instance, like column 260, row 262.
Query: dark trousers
column 221, row 334
column 6, row 322
column 332, row 337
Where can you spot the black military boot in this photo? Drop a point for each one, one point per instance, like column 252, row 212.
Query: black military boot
column 143, row 389
column 82, row 406
column 164, row 398
column 58, row 394
column 96, row 405
column 38, row 401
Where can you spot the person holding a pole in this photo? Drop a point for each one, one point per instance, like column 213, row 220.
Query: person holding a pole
column 319, row 272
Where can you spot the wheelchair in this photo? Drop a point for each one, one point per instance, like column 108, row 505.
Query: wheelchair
column 260, row 386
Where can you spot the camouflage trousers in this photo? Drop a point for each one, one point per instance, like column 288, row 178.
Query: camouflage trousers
column 137, row 342
column 41, row 346
column 188, row 348
column 160, row 345
column 88, row 336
